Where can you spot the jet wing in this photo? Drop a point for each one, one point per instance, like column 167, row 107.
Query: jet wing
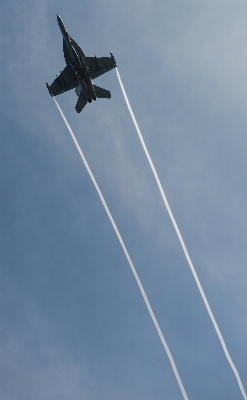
column 99, row 66
column 64, row 82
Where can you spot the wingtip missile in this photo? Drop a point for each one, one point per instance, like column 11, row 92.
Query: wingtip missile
column 113, row 59
column 49, row 89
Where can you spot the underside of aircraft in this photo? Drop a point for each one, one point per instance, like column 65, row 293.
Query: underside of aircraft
column 80, row 72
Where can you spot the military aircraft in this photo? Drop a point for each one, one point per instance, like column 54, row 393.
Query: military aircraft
column 80, row 72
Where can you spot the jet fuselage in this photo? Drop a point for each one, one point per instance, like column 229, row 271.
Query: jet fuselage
column 80, row 71
column 78, row 65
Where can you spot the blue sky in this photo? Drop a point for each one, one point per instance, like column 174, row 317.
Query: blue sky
column 73, row 322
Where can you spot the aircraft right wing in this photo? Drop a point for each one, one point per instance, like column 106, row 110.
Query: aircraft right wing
column 99, row 66
column 64, row 82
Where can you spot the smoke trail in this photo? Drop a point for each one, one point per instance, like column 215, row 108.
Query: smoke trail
column 126, row 254
column 182, row 242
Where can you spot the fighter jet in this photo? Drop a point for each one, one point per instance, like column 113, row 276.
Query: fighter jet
column 80, row 72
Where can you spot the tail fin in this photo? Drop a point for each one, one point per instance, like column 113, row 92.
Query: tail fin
column 81, row 102
column 102, row 93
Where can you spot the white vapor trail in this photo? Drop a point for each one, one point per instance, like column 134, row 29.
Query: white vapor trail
column 126, row 254
column 182, row 242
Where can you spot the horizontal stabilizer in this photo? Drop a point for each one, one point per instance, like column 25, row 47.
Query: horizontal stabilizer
column 102, row 93
column 81, row 102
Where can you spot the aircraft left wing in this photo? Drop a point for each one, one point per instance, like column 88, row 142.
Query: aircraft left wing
column 99, row 66
column 64, row 82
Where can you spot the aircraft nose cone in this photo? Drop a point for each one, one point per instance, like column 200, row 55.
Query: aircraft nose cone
column 61, row 25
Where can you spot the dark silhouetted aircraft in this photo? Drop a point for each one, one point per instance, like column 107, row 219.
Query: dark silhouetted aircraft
column 80, row 72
